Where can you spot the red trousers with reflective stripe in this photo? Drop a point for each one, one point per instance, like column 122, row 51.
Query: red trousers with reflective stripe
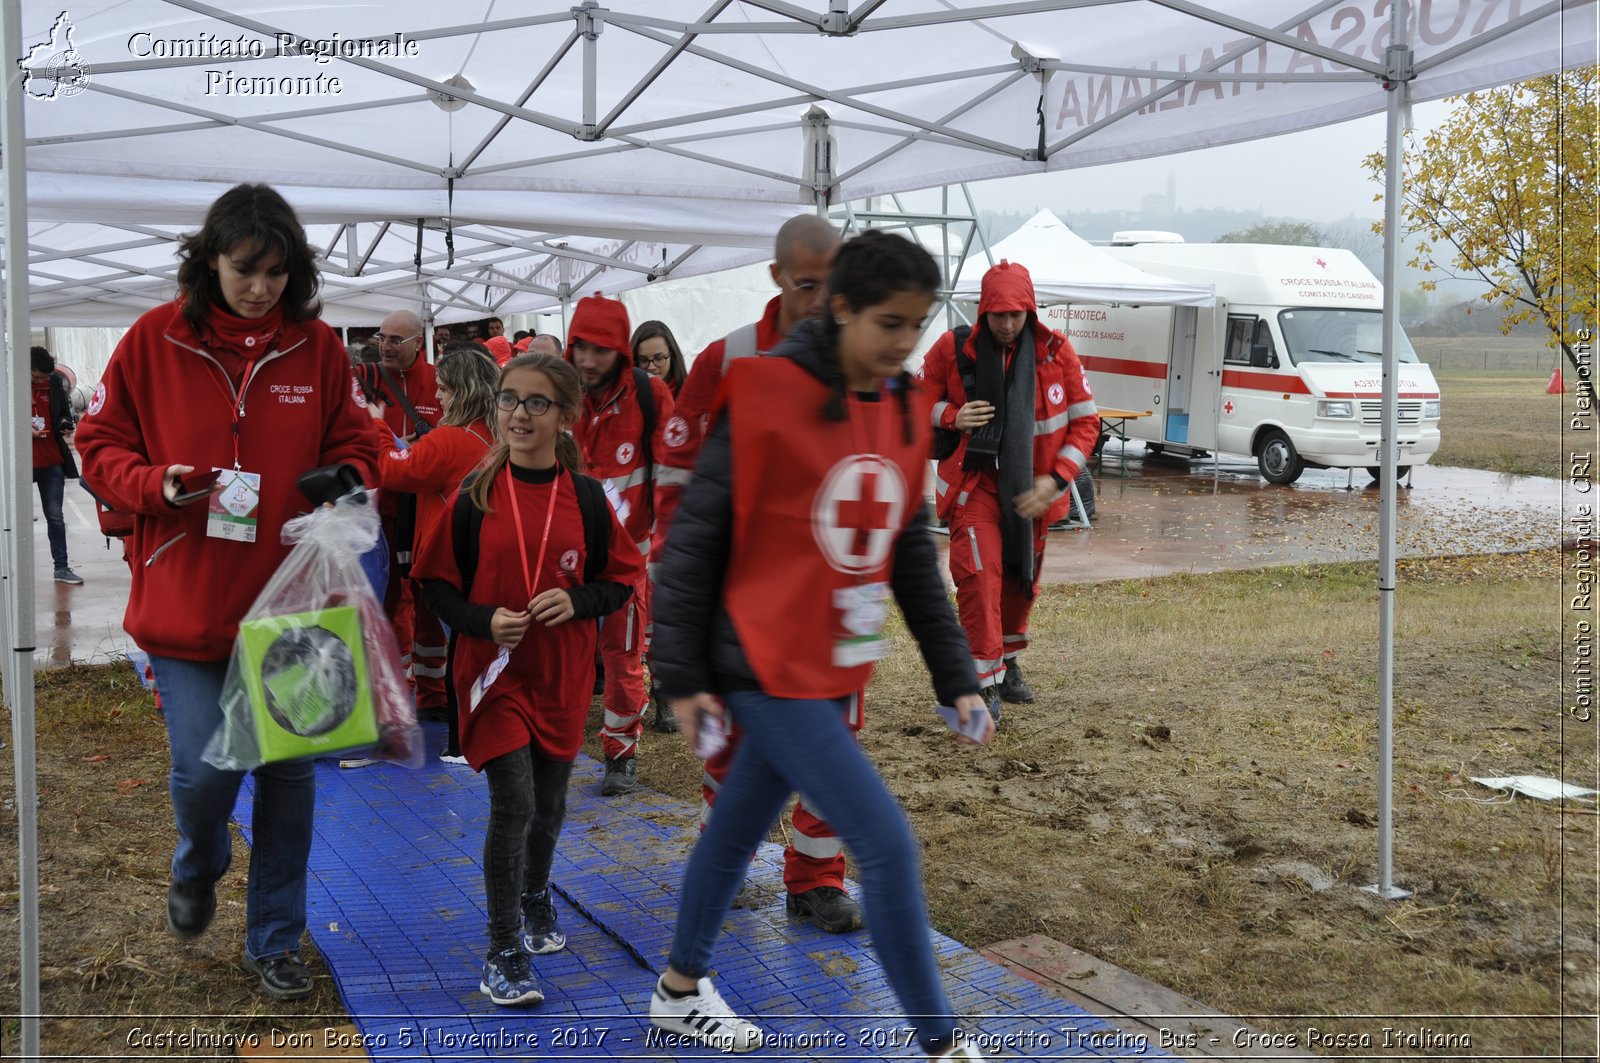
column 994, row 615
column 428, row 653
column 622, row 653
column 816, row 855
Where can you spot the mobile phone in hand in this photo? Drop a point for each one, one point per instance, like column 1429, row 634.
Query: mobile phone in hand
column 195, row 485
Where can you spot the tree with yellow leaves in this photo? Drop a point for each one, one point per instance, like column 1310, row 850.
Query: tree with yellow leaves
column 1504, row 191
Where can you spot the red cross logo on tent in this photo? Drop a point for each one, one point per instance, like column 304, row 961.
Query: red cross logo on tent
column 1321, row 263
column 857, row 511
column 1227, row 408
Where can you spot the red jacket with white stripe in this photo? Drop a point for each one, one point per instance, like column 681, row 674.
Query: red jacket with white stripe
column 1065, row 421
column 168, row 397
column 686, row 433
column 610, row 433
column 433, row 467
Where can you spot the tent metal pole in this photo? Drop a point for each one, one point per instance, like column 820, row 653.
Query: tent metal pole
column 1398, row 84
column 14, row 426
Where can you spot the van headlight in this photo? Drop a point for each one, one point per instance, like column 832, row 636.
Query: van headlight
column 1430, row 410
column 1336, row 408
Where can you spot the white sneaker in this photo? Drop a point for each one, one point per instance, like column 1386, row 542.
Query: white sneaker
column 357, row 762
column 704, row 1016
column 446, row 758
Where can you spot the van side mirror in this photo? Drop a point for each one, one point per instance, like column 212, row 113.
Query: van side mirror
column 1261, row 357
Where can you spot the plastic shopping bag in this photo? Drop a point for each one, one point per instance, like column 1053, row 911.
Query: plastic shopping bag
column 315, row 669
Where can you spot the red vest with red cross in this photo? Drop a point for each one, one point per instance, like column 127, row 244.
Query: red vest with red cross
column 818, row 508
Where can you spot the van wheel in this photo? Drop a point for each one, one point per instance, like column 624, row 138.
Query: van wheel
column 1376, row 471
column 1278, row 460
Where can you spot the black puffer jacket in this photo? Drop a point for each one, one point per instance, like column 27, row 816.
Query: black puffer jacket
column 695, row 649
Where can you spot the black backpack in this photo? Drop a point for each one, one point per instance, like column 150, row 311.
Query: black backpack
column 946, row 440
column 467, row 523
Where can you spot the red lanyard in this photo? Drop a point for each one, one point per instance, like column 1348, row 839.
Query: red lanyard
column 236, row 403
column 522, row 540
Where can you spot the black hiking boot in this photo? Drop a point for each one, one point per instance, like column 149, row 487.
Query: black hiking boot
column 1014, row 688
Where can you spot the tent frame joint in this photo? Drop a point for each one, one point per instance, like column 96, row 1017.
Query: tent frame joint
column 1399, row 65
column 837, row 22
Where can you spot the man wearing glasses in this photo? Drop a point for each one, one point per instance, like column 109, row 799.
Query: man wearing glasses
column 621, row 451
column 422, row 643
column 813, row 862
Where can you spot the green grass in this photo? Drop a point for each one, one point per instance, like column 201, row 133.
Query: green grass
column 1496, row 413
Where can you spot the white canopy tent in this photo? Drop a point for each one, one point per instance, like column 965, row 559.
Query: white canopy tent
column 662, row 120
column 1066, row 268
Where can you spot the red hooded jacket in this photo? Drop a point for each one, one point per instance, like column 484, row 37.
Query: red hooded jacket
column 1066, row 424
column 686, row 433
column 610, row 433
column 169, row 397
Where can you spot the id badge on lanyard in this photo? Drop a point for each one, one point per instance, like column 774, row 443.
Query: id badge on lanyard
column 231, row 512
column 864, row 609
column 481, row 685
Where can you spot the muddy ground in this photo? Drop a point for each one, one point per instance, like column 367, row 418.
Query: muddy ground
column 1192, row 798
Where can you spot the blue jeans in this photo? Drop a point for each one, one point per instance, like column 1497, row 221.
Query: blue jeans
column 52, row 481
column 202, row 803
column 791, row 745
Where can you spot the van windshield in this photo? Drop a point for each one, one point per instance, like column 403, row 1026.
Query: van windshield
column 1329, row 335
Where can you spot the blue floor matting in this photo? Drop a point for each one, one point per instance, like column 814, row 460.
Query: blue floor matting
column 396, row 906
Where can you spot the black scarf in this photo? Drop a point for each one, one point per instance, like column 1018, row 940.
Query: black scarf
column 1006, row 444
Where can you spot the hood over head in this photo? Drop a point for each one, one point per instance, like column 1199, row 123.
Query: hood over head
column 602, row 322
column 1007, row 287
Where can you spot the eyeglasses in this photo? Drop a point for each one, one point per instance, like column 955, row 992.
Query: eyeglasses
column 392, row 341
column 803, row 287
column 533, row 405
column 660, row 359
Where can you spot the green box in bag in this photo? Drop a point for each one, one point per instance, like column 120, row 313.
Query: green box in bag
column 310, row 692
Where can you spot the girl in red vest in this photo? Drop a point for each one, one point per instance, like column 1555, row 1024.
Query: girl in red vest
column 432, row 468
column 523, row 672
column 805, row 514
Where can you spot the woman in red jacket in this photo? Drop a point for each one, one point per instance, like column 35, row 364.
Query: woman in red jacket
column 523, row 670
column 238, row 375
column 432, row 468
column 773, row 592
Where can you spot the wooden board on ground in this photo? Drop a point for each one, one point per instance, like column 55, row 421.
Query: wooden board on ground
column 1169, row 1021
column 330, row 1042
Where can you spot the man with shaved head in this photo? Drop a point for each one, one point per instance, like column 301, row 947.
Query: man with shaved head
column 813, row 865
column 409, row 374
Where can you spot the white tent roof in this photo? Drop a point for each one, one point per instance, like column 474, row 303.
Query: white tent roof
column 1066, row 268
column 654, row 128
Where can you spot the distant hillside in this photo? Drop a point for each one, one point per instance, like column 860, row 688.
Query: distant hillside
column 1474, row 317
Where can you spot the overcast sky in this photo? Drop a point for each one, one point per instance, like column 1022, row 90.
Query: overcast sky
column 1315, row 175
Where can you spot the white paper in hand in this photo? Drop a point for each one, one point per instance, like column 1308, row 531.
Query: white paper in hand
column 977, row 727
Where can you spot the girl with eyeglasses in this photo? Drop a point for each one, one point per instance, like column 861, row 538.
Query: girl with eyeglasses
column 523, row 669
column 656, row 351
column 431, row 468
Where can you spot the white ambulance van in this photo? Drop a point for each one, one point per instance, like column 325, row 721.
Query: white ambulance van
column 1287, row 367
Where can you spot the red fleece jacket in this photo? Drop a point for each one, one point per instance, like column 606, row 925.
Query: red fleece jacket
column 166, row 399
